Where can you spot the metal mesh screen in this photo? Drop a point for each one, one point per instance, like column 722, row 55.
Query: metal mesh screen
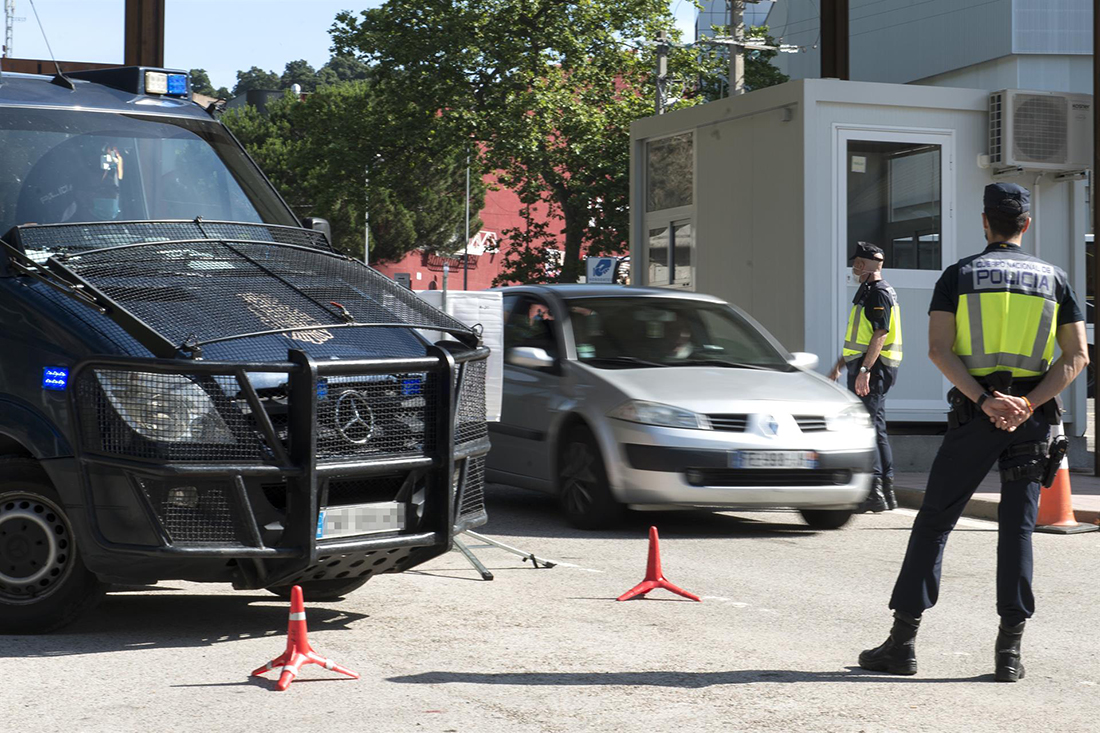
column 194, row 513
column 378, row 415
column 1039, row 128
column 473, row 491
column 470, row 418
column 209, row 289
column 168, row 417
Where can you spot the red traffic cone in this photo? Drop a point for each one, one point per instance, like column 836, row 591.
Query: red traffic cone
column 1056, row 503
column 298, row 651
column 654, row 578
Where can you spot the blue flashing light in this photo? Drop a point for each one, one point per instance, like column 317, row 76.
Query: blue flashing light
column 412, row 386
column 322, row 390
column 177, row 84
column 56, row 378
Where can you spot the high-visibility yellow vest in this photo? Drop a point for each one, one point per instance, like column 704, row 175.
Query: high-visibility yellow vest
column 860, row 330
column 1006, row 315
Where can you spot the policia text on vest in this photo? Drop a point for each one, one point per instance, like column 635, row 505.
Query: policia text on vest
column 993, row 323
column 872, row 354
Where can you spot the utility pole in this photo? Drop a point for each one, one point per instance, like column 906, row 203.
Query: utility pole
column 466, row 254
column 366, row 215
column 662, row 70
column 737, row 50
column 1095, row 365
column 834, row 39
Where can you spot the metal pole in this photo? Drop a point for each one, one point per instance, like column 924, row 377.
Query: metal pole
column 834, row 39
column 366, row 215
column 662, row 70
column 737, row 50
column 466, row 255
column 1095, row 218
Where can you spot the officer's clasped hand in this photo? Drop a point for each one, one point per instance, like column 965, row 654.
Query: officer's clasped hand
column 1006, row 412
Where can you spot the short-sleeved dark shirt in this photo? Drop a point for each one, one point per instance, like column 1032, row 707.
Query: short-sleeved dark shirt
column 878, row 299
column 1006, row 267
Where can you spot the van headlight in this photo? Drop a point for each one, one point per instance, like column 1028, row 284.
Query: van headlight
column 167, row 408
column 854, row 417
column 654, row 413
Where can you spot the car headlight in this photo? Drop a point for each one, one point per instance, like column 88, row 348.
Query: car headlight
column 854, row 417
column 654, row 413
column 167, row 408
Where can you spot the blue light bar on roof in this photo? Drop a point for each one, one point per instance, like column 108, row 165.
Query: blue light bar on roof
column 177, row 84
column 56, row 378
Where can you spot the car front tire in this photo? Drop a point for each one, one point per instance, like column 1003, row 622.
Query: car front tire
column 583, row 490
column 826, row 518
column 44, row 584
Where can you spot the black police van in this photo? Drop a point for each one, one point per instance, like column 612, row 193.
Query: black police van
column 194, row 385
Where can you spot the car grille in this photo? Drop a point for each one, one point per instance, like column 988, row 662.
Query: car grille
column 366, row 416
column 811, row 423
column 732, row 423
column 767, row 477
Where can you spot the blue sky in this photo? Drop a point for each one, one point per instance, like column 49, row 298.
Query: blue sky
column 221, row 36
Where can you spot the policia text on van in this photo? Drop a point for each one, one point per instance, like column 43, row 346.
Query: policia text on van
column 993, row 323
column 192, row 385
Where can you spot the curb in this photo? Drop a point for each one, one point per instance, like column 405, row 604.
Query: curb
column 980, row 508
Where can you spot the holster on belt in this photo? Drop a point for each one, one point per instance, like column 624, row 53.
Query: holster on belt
column 962, row 409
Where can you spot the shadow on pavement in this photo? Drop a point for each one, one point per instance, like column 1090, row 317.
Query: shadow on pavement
column 686, row 680
column 169, row 620
column 522, row 513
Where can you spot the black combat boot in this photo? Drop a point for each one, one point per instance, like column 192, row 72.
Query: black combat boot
column 1009, row 667
column 888, row 492
column 875, row 501
column 898, row 654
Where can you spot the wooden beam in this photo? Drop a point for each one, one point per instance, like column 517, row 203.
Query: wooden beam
column 144, row 45
column 834, row 39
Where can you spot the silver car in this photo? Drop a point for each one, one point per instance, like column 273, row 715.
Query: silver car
column 618, row 397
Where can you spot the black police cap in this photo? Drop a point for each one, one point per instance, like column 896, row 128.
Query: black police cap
column 1007, row 198
column 867, row 251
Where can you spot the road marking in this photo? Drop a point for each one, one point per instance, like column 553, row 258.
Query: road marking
column 964, row 521
column 722, row 599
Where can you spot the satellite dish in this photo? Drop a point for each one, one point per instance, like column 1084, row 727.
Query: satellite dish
column 296, row 89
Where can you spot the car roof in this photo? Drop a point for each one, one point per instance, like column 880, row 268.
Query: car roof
column 581, row 290
column 37, row 91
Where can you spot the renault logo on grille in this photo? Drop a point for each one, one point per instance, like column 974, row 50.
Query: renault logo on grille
column 354, row 418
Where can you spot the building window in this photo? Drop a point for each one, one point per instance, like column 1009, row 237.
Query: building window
column 672, row 255
column 670, row 172
column 895, row 201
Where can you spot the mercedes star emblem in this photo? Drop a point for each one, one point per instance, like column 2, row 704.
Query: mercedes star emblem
column 354, row 418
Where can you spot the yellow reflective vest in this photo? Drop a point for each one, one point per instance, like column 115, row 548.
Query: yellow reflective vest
column 1007, row 312
column 859, row 331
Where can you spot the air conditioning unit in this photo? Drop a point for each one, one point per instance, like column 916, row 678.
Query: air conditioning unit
column 1040, row 131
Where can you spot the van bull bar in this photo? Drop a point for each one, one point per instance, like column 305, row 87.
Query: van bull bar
column 250, row 476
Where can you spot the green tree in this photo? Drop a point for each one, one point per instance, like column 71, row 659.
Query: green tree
column 759, row 70
column 342, row 67
column 299, row 72
column 255, row 78
column 200, row 82
column 543, row 90
column 338, row 151
column 222, row 93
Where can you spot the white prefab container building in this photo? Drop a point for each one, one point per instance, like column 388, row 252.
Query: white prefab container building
column 759, row 200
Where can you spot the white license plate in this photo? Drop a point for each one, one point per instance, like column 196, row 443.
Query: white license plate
column 772, row 459
column 359, row 519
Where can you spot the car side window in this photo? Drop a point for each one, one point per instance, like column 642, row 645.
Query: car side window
column 530, row 323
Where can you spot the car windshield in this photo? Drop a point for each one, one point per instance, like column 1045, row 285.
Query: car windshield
column 59, row 166
column 631, row 332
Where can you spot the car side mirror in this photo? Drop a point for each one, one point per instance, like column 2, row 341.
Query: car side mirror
column 318, row 224
column 531, row 357
column 803, row 360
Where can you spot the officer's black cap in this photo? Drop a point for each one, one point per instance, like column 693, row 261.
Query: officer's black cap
column 1007, row 198
column 867, row 251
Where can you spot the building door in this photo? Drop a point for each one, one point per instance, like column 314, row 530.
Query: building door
column 896, row 190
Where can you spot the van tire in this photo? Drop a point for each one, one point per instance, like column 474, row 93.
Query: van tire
column 44, row 584
column 322, row 590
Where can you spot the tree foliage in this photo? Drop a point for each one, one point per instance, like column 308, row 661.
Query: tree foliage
column 255, row 78
column 759, row 70
column 200, row 82
column 543, row 90
column 299, row 72
column 338, row 154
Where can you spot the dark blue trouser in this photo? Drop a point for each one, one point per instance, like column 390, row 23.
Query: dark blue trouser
column 882, row 378
column 964, row 459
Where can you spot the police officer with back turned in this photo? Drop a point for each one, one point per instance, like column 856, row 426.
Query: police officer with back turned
column 993, row 324
column 872, row 353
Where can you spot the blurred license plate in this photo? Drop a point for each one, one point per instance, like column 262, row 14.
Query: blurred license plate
column 348, row 521
column 772, row 459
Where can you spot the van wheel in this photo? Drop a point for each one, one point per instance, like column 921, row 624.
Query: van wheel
column 584, row 493
column 826, row 518
column 322, row 590
column 43, row 582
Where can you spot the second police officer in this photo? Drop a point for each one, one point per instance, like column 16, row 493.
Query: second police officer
column 993, row 323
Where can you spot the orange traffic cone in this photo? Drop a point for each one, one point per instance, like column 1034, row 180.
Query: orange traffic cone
column 1056, row 502
column 654, row 578
column 298, row 651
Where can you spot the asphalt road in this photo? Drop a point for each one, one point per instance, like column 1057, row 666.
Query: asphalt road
column 771, row 648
